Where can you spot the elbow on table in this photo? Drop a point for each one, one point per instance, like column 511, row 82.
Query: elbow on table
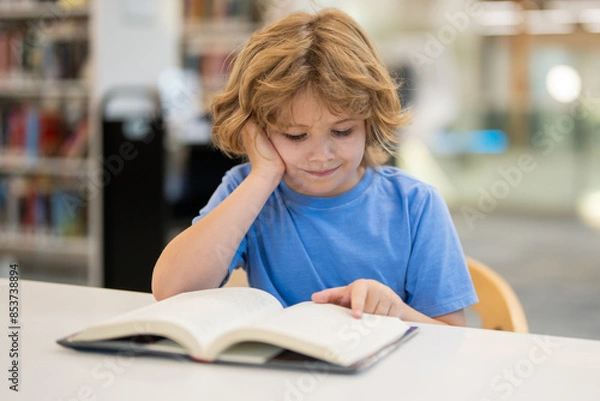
column 165, row 284
column 159, row 290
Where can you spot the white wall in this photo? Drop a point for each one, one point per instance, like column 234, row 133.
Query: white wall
column 133, row 42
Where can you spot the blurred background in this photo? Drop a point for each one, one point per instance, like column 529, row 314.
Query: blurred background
column 105, row 135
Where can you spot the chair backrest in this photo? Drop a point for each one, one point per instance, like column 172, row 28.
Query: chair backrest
column 499, row 307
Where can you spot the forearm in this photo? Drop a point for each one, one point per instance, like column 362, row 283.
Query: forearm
column 199, row 257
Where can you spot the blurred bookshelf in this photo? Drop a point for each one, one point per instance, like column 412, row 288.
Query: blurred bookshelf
column 45, row 160
column 212, row 32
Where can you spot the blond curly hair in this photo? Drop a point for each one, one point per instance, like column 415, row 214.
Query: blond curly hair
column 327, row 52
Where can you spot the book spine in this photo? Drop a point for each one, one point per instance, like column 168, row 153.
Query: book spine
column 4, row 200
column 16, row 190
column 32, row 140
column 15, row 130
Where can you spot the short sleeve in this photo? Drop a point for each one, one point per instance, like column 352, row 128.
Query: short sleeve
column 437, row 281
column 231, row 180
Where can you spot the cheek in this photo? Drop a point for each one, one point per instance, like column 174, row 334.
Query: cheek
column 352, row 149
column 287, row 151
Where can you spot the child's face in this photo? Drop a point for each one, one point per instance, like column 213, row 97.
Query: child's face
column 322, row 152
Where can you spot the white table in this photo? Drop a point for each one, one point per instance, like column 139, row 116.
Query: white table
column 440, row 363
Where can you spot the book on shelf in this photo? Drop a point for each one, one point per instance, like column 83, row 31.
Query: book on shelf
column 54, row 50
column 248, row 326
column 32, row 131
column 36, row 132
column 218, row 9
column 75, row 144
column 15, row 128
column 51, row 128
column 4, row 202
column 68, row 213
column 39, row 205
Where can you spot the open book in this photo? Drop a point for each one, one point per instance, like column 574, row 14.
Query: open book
column 248, row 326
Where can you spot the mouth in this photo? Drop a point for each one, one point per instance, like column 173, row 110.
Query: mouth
column 322, row 173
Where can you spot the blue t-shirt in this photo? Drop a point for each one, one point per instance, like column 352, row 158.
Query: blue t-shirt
column 390, row 227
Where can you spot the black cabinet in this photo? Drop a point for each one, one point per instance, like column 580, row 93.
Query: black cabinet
column 134, row 208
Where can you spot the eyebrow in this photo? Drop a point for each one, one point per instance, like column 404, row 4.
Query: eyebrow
column 334, row 123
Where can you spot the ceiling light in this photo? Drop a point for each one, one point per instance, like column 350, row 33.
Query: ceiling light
column 550, row 21
column 563, row 83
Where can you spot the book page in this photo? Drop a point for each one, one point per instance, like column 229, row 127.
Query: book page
column 249, row 352
column 193, row 319
column 324, row 331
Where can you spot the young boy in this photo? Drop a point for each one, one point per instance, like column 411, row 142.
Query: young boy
column 314, row 215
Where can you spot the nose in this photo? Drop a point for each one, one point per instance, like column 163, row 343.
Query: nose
column 322, row 149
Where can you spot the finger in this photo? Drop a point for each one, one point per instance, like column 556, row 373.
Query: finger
column 263, row 146
column 249, row 134
column 383, row 307
column 320, row 297
column 358, row 297
column 395, row 311
column 372, row 300
column 330, row 295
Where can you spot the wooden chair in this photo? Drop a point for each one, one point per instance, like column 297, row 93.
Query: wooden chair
column 238, row 278
column 499, row 307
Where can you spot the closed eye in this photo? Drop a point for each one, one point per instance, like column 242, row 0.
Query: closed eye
column 342, row 133
column 294, row 137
